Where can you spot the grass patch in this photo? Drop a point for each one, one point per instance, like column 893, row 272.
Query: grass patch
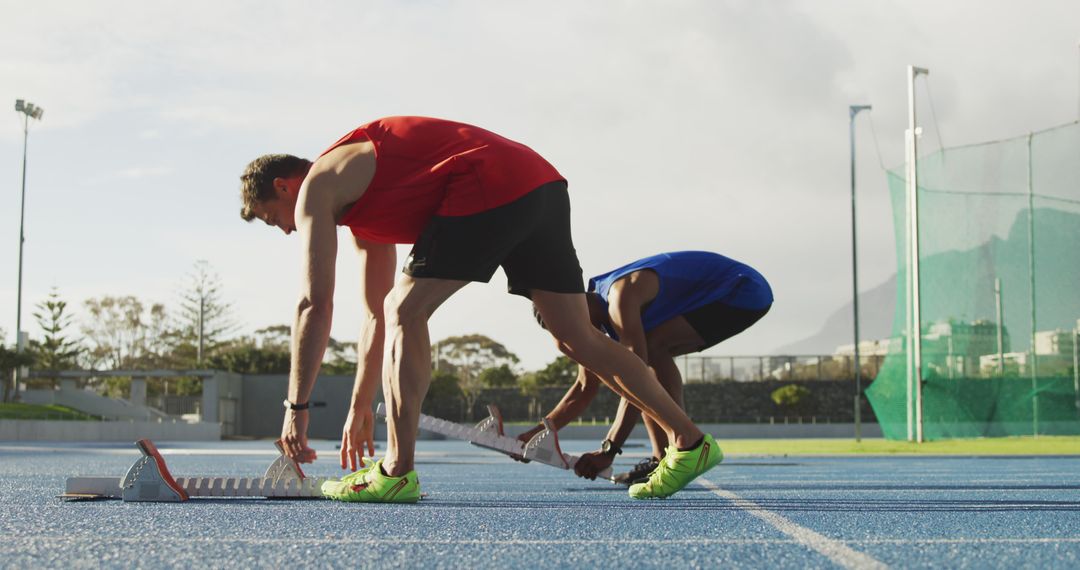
column 39, row 412
column 1043, row 445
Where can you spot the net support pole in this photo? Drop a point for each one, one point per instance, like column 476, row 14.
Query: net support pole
column 1000, row 327
column 909, row 368
column 1076, row 368
column 1033, row 367
column 853, row 110
column 915, row 324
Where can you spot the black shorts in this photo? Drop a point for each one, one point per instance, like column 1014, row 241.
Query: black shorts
column 717, row 322
column 529, row 238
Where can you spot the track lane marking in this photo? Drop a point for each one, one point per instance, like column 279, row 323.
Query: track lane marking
column 525, row 542
column 834, row 550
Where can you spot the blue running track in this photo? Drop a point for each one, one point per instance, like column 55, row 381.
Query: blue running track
column 484, row 510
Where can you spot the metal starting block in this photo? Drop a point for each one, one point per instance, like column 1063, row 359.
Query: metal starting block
column 542, row 448
column 149, row 480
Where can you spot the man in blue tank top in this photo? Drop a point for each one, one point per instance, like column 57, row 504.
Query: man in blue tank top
column 661, row 307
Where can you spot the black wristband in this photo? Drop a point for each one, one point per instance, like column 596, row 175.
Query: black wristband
column 291, row 406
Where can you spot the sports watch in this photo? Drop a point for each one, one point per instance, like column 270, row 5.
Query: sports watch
column 609, row 448
column 291, row 406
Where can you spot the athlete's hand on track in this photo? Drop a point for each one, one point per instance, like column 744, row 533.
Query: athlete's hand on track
column 359, row 429
column 589, row 464
column 294, row 436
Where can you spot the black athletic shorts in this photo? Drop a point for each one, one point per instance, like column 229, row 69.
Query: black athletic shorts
column 529, row 238
column 718, row 322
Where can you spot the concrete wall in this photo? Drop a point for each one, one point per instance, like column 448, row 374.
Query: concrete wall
column 46, row 430
column 261, row 410
column 222, row 402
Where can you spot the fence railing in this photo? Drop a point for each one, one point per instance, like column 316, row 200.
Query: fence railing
column 777, row 367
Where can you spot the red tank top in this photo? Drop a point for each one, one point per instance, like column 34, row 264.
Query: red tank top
column 431, row 167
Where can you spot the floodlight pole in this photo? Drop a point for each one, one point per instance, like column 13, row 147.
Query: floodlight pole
column 29, row 110
column 1000, row 327
column 853, row 110
column 915, row 322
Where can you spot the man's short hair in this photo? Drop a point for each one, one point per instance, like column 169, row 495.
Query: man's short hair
column 257, row 181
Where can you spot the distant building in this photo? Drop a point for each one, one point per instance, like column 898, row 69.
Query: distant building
column 1015, row 363
column 882, row 347
column 1055, row 342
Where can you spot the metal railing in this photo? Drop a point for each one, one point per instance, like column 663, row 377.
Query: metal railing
column 777, row 367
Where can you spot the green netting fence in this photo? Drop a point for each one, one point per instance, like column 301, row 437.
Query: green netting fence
column 1000, row 292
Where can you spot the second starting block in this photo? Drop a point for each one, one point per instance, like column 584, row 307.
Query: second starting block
column 542, row 448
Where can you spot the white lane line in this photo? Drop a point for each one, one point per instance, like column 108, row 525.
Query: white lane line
column 592, row 542
column 834, row 550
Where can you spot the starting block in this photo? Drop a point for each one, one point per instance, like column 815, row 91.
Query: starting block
column 542, row 448
column 149, row 480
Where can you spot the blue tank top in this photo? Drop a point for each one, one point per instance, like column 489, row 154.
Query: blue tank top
column 690, row 280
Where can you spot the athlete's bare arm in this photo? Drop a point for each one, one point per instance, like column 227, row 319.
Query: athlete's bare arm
column 572, row 405
column 334, row 181
column 627, row 299
column 378, row 261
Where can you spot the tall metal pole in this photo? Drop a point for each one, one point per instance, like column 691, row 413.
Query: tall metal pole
column 1076, row 367
column 852, row 111
column 1000, row 327
column 1034, row 366
column 913, row 200
column 18, row 296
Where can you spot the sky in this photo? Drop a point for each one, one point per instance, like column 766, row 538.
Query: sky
column 707, row 125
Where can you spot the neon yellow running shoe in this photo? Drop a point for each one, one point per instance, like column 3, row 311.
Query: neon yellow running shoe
column 677, row 469
column 356, row 475
column 370, row 485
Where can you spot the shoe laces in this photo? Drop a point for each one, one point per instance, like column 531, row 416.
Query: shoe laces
column 646, row 465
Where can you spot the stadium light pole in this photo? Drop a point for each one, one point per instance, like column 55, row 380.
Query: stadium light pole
column 29, row 111
column 914, row 290
column 854, row 110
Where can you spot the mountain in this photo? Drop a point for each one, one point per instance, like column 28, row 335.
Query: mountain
column 876, row 308
column 959, row 284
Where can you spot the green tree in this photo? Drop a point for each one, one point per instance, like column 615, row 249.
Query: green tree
column 245, row 355
column 340, row 357
column 561, row 372
column 444, row 397
column 469, row 355
column 57, row 350
column 558, row 373
column 125, row 333
column 790, row 396
column 278, row 337
column 204, row 318
column 10, row 359
column 497, row 377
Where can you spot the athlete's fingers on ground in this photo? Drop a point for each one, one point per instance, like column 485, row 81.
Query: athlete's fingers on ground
column 344, row 449
column 370, row 447
column 289, row 443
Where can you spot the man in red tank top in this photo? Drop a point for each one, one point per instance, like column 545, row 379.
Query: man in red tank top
column 470, row 201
